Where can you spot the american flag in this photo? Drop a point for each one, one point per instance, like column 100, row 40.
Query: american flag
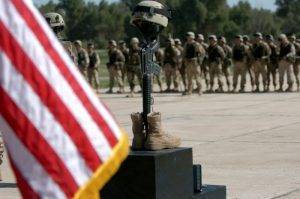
column 61, row 140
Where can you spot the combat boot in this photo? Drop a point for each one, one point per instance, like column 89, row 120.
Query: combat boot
column 157, row 139
column 139, row 135
column 290, row 88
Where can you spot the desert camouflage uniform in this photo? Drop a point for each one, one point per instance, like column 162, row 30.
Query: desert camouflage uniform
column 260, row 54
column 239, row 56
column 82, row 60
column 286, row 59
column 191, row 53
column 216, row 56
column 134, row 67
column 92, row 70
column 181, row 65
column 171, row 67
column 227, row 64
column 159, row 59
column 297, row 64
column 125, row 52
column 116, row 62
column 272, row 65
column 249, row 62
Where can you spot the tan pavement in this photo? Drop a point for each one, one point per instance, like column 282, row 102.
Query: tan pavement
column 248, row 142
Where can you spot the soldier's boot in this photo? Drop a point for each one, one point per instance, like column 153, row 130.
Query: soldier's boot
column 290, row 88
column 266, row 88
column 242, row 90
column 280, row 88
column 139, row 135
column 157, row 139
column 109, row 91
column 121, row 90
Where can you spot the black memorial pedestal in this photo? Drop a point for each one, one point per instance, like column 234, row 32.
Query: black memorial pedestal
column 166, row 174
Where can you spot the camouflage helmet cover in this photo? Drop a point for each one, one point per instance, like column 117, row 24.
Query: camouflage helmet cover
column 151, row 11
column 55, row 20
column 134, row 40
column 112, row 43
column 177, row 41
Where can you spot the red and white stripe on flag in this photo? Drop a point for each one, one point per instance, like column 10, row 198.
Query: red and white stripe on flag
column 61, row 140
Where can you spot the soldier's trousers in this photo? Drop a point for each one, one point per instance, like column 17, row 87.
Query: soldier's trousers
column 193, row 72
column 225, row 70
column 240, row 69
column 93, row 77
column 272, row 68
column 82, row 71
column 286, row 67
column 260, row 68
column 296, row 72
column 215, row 70
column 205, row 73
column 115, row 74
column 158, row 80
column 132, row 72
column 123, row 71
column 182, row 71
column 171, row 73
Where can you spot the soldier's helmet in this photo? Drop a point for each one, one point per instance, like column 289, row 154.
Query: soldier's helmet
column 282, row 37
column 190, row 34
column 171, row 41
column 222, row 39
column 134, row 40
column 212, row 37
column 151, row 17
column 78, row 42
column 177, row 41
column 258, row 35
column 293, row 37
column 121, row 42
column 269, row 38
column 246, row 38
column 239, row 37
column 112, row 43
column 200, row 37
column 55, row 21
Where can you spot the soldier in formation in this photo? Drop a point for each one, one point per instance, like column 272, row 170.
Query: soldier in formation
column 297, row 59
column 286, row 59
column 186, row 65
column 227, row 60
column 260, row 52
column 114, row 66
column 240, row 53
column 216, row 57
column 82, row 57
column 273, row 62
column 123, row 48
column 171, row 65
column 92, row 69
column 192, row 51
column 134, row 65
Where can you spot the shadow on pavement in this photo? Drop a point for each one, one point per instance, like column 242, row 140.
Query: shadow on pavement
column 7, row 185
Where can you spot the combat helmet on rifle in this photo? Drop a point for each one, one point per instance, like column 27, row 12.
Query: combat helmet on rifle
column 151, row 17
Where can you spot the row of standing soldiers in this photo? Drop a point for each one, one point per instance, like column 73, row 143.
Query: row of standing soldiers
column 196, row 60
